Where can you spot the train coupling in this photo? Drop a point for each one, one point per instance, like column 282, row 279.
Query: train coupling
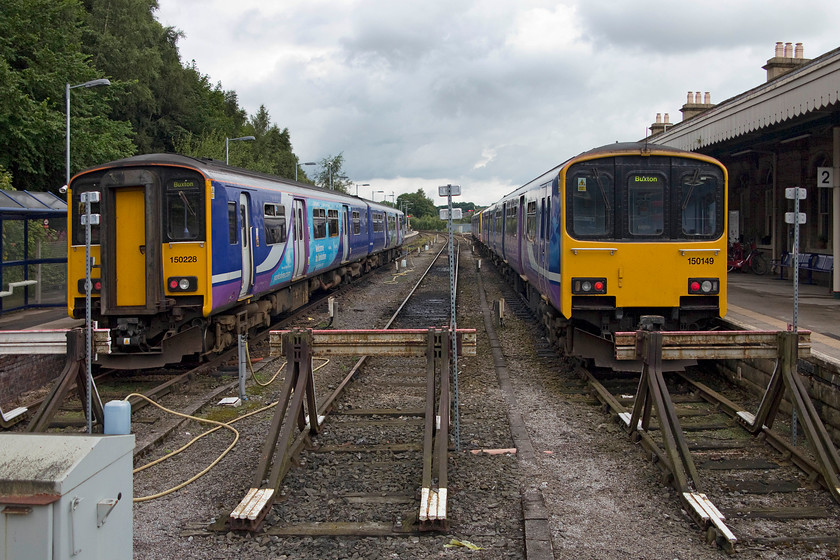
column 129, row 334
column 651, row 323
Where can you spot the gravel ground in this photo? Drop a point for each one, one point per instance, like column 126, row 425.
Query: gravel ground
column 604, row 498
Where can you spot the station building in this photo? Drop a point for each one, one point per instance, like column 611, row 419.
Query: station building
column 782, row 133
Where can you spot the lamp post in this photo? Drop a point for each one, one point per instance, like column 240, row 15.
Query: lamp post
column 307, row 163
column 90, row 84
column 87, row 198
column 360, row 185
column 330, row 167
column 240, row 139
column 374, row 193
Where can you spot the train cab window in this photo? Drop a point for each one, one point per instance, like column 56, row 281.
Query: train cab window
column 184, row 210
column 698, row 205
column 275, row 224
column 319, row 223
column 79, row 211
column 232, row 229
column 591, row 191
column 646, row 204
column 357, row 223
column 332, row 222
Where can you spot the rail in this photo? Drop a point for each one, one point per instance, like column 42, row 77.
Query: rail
column 654, row 347
column 300, row 346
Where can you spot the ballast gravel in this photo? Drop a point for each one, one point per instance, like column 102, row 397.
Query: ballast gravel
column 605, row 499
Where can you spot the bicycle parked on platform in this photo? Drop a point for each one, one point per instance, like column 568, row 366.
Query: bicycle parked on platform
column 753, row 260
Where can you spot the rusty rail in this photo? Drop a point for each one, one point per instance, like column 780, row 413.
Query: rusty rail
column 654, row 347
column 300, row 346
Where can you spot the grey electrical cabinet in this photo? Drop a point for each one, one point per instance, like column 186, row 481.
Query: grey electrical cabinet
column 66, row 497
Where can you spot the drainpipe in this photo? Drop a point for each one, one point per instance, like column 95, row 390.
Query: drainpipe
column 835, row 275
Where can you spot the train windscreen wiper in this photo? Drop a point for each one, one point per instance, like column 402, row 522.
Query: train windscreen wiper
column 600, row 188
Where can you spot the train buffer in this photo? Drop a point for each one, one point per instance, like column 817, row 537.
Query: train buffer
column 297, row 407
column 654, row 347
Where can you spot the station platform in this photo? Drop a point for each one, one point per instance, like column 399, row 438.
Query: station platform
column 766, row 303
column 38, row 319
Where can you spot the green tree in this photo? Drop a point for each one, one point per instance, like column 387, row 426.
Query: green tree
column 418, row 203
column 40, row 51
column 5, row 180
column 332, row 174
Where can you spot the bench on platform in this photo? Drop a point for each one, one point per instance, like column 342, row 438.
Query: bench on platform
column 809, row 262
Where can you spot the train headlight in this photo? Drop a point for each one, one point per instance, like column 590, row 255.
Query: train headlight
column 703, row 286
column 182, row 283
column 587, row 286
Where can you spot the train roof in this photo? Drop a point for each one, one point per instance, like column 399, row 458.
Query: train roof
column 641, row 147
column 616, row 148
column 216, row 168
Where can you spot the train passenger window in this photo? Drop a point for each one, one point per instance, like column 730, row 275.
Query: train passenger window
column 590, row 191
column 378, row 221
column 275, row 224
column 646, row 204
column 392, row 223
column 232, row 229
column 332, row 219
column 319, row 223
column 698, row 205
column 531, row 220
column 510, row 220
column 184, row 210
column 357, row 223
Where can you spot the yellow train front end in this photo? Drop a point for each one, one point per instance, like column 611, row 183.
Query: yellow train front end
column 643, row 235
column 150, row 256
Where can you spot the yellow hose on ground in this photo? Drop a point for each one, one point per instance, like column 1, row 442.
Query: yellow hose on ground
column 218, row 425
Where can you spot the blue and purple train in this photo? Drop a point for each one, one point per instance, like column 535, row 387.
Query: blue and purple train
column 190, row 252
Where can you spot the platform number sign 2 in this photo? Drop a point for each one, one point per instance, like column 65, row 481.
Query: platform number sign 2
column 825, row 177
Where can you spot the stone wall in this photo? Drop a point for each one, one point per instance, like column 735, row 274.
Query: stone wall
column 19, row 374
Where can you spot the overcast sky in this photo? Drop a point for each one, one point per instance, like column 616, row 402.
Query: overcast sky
column 487, row 94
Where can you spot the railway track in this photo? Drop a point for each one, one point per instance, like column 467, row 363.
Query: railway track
column 373, row 433
column 765, row 497
column 188, row 386
column 768, row 491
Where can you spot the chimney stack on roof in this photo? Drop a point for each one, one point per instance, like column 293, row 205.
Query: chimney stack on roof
column 660, row 126
column 696, row 103
column 787, row 57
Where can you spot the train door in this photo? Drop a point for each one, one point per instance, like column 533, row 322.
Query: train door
column 247, row 246
column 345, row 233
column 521, row 225
column 130, row 254
column 503, row 229
column 299, row 239
column 542, row 231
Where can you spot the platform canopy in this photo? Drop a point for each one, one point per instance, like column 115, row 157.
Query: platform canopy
column 26, row 204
